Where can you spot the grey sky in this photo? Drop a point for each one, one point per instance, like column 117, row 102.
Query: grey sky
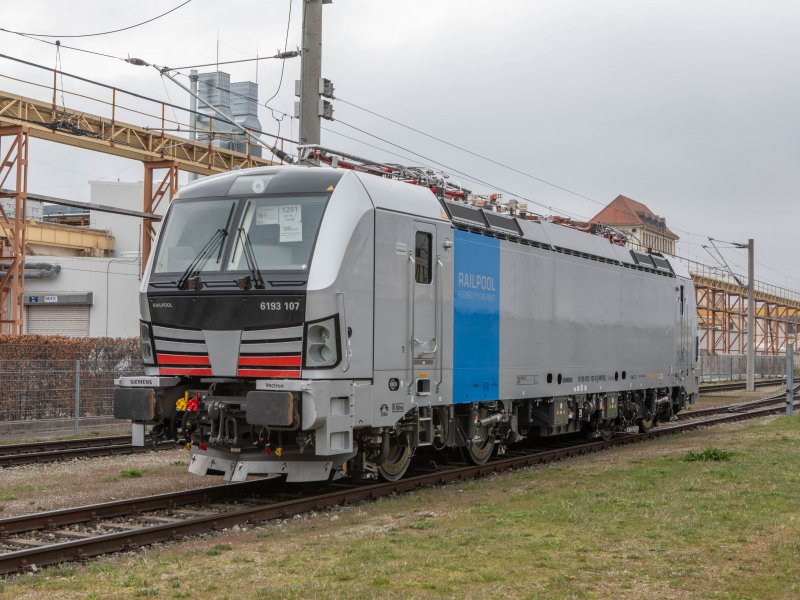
column 689, row 107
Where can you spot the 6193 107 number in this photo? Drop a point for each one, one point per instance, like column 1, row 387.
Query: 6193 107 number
column 277, row 305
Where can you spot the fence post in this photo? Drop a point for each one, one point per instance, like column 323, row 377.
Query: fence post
column 77, row 395
column 731, row 378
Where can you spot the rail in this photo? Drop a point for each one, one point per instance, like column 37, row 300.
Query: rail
column 63, row 543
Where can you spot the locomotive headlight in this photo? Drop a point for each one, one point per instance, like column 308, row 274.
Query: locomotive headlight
column 148, row 356
column 319, row 334
column 321, row 344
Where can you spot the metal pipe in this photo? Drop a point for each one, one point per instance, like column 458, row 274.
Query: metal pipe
column 34, row 270
column 493, row 419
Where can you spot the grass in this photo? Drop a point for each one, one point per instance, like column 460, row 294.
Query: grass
column 131, row 473
column 709, row 454
column 639, row 522
column 9, row 495
column 218, row 549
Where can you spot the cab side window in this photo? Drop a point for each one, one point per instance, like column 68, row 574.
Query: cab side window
column 423, row 243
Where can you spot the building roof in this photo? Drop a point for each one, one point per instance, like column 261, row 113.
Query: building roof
column 626, row 211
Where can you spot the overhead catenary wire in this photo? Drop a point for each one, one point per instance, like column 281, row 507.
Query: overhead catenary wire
column 139, row 62
column 164, row 71
column 471, row 152
column 99, row 33
column 283, row 64
column 489, row 159
column 556, row 186
column 280, row 55
column 99, row 101
column 94, row 52
column 349, row 137
column 458, row 172
column 724, row 262
column 733, row 244
column 132, row 94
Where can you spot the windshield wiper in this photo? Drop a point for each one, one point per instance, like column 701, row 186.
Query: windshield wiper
column 200, row 260
column 252, row 265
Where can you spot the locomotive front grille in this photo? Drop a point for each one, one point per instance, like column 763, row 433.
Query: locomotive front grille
column 181, row 351
column 273, row 352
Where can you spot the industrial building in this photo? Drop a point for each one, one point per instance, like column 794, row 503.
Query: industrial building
column 82, row 272
column 645, row 230
column 83, row 267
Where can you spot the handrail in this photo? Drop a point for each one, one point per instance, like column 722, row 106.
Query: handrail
column 412, row 340
column 439, row 327
column 344, row 334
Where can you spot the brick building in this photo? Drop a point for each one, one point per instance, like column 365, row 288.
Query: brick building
column 645, row 229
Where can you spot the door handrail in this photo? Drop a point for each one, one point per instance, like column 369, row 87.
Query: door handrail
column 412, row 339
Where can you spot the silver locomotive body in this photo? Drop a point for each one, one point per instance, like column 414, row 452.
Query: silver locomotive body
column 340, row 321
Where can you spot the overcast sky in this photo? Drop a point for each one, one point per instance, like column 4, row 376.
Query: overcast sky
column 689, row 107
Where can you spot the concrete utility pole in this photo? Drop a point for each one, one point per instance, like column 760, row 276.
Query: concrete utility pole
column 193, row 77
column 311, row 71
column 751, row 318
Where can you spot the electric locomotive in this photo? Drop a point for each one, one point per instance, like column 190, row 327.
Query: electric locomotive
column 319, row 322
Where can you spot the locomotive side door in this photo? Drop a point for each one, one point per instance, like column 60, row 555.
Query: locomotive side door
column 683, row 350
column 424, row 313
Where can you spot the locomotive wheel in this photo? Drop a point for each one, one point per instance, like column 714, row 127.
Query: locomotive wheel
column 400, row 454
column 648, row 419
column 479, row 452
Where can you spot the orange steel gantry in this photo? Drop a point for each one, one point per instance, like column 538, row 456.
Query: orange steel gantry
column 12, row 228
column 21, row 118
column 722, row 317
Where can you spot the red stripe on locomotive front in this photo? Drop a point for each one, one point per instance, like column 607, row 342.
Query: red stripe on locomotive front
column 267, row 373
column 270, row 361
column 183, row 371
column 182, row 359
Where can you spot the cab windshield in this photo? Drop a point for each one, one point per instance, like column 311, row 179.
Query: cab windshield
column 280, row 230
column 189, row 227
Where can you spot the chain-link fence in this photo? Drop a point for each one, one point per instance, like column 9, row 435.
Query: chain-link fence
column 41, row 393
column 731, row 367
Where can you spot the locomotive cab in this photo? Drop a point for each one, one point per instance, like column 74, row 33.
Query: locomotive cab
column 237, row 302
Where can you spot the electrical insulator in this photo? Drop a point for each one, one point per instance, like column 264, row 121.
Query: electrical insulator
column 325, row 88
column 325, row 109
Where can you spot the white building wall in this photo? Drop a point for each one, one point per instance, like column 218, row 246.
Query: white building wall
column 33, row 208
column 127, row 231
column 114, row 283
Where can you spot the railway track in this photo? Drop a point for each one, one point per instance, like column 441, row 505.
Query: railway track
column 41, row 452
column 738, row 385
column 76, row 534
column 739, row 407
